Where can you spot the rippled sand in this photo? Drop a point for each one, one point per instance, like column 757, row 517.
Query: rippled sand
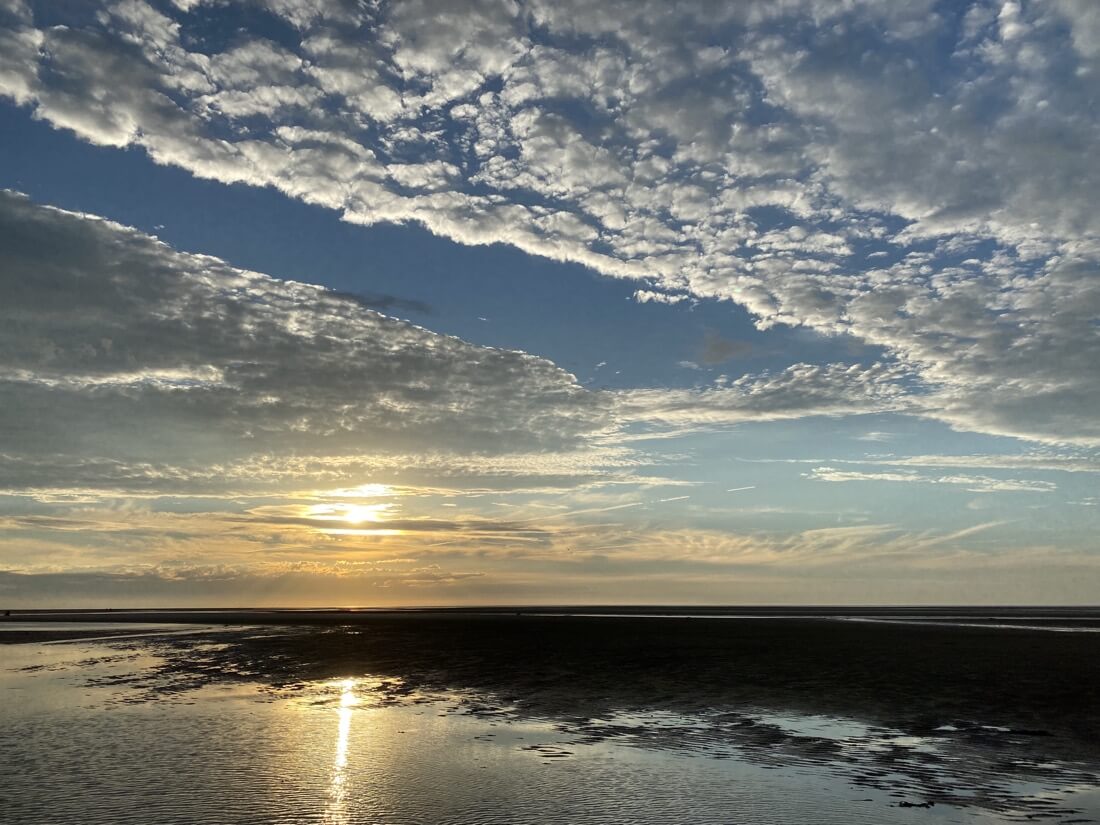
column 519, row 722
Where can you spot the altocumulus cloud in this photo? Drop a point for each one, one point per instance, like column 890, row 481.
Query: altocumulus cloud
column 130, row 367
column 917, row 175
column 124, row 360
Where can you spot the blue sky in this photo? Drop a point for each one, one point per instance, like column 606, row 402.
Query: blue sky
column 563, row 311
column 744, row 302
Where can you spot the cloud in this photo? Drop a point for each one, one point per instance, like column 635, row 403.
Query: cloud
column 800, row 390
column 875, row 436
column 1083, row 462
column 820, row 163
column 128, row 368
column 648, row 296
column 124, row 361
column 1063, row 462
column 972, row 483
column 877, row 562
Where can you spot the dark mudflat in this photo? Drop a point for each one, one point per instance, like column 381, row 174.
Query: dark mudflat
column 1039, row 683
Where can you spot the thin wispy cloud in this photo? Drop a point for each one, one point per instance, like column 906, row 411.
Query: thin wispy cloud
column 974, row 484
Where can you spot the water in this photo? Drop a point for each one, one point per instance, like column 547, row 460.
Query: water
column 78, row 746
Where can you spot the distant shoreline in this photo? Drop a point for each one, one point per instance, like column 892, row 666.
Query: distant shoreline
column 1008, row 618
column 733, row 609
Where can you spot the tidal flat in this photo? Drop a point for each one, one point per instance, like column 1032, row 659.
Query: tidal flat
column 550, row 716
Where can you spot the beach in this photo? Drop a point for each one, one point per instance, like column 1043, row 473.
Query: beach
column 953, row 711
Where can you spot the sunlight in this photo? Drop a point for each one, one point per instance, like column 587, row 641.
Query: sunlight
column 349, row 513
column 348, row 700
column 358, row 513
column 335, row 810
column 362, row 491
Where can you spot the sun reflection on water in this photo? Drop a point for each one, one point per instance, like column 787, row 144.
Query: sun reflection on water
column 336, row 809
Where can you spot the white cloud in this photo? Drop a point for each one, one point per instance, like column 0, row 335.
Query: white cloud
column 648, row 296
column 763, row 152
column 972, row 483
column 116, row 349
column 1044, row 461
column 798, row 391
column 133, row 369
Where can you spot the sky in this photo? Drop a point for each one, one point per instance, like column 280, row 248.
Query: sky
column 344, row 302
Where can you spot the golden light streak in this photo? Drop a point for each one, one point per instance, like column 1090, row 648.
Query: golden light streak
column 335, row 811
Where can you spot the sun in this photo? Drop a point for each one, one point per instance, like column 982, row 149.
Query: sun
column 359, row 513
column 349, row 513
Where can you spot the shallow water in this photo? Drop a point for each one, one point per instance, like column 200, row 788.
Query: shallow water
column 78, row 746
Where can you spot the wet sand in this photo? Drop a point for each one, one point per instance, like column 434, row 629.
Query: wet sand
column 911, row 676
column 914, row 668
column 955, row 706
